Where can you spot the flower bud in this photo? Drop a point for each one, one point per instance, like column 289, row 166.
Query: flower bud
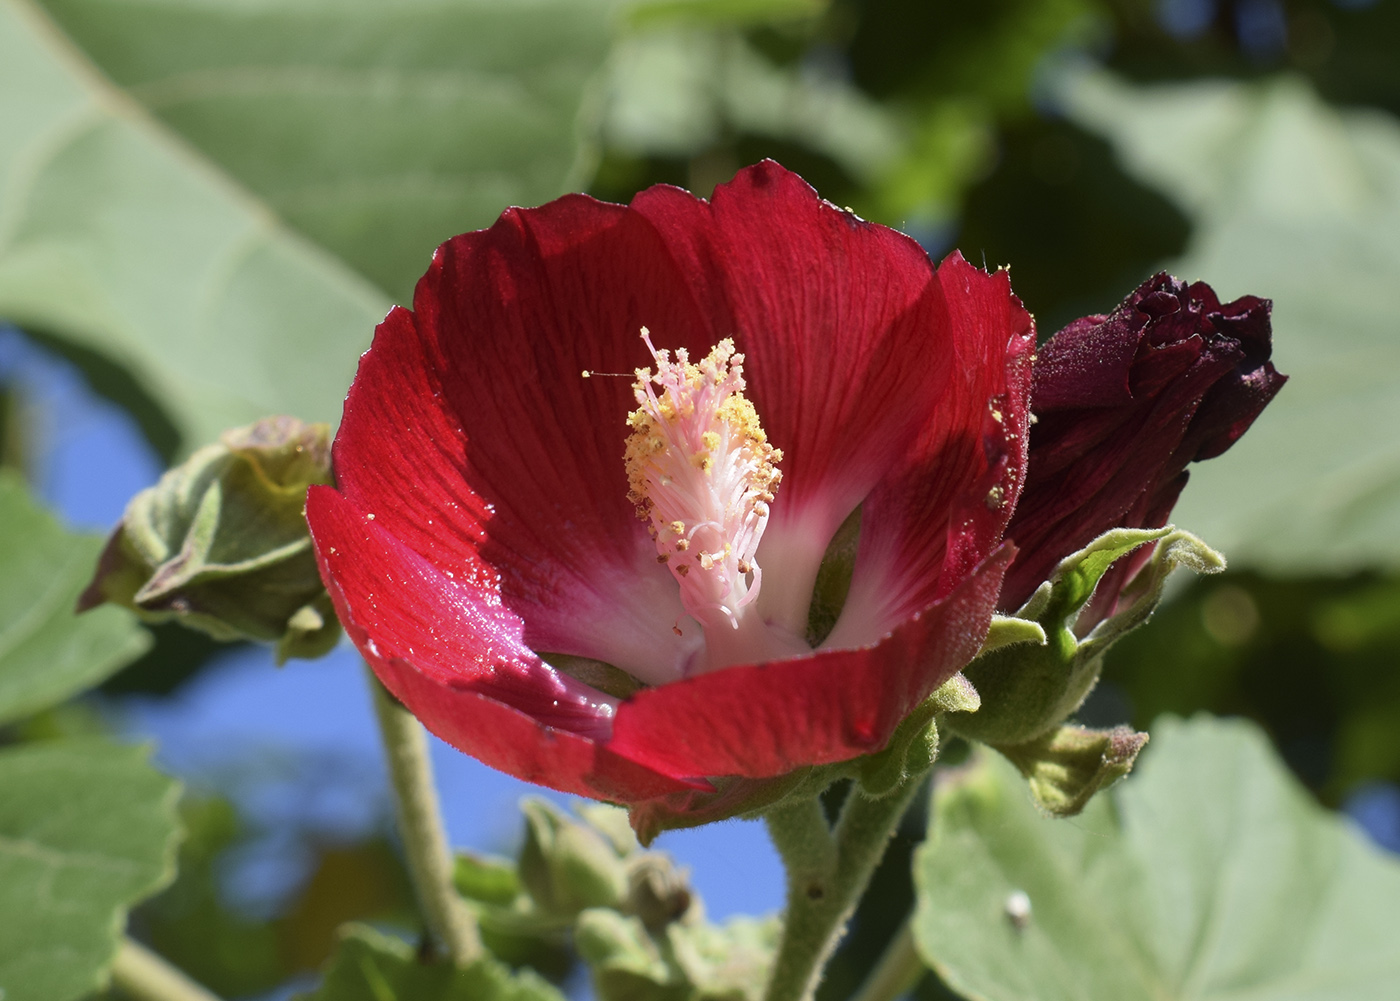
column 1028, row 688
column 1122, row 404
column 220, row 543
column 1066, row 766
column 566, row 865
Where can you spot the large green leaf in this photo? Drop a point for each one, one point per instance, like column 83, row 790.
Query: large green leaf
column 46, row 654
column 204, row 227
column 1215, row 877
column 377, row 129
column 1299, row 202
column 371, row 966
column 87, row 828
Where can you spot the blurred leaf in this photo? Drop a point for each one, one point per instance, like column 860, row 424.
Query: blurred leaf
column 375, row 130
column 1346, row 47
column 955, row 72
column 678, row 89
column 724, row 12
column 1076, row 231
column 354, row 882
column 120, row 238
column 1215, row 877
column 86, row 829
column 188, row 923
column 378, row 130
column 1301, row 203
column 1312, row 660
column 370, row 966
column 486, row 878
column 46, row 653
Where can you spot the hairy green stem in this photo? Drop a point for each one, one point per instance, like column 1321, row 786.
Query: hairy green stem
column 420, row 826
column 897, row 971
column 827, row 871
column 143, row 975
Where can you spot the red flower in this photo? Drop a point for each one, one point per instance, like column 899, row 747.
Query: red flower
column 1123, row 403
column 483, row 514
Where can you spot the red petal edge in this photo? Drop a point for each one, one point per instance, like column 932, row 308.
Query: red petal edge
column 468, row 664
column 942, row 510
column 760, row 720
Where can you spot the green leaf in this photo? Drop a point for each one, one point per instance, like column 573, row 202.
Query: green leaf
column 227, row 227
column 1208, row 874
column 87, row 828
column 371, row 966
column 377, row 130
column 680, row 87
column 46, row 653
column 1298, row 202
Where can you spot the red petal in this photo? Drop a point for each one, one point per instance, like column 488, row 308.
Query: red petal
column 943, row 509
column 840, row 327
column 472, row 435
column 455, row 659
column 760, row 720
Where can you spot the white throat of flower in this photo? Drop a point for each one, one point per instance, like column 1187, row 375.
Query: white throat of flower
column 702, row 475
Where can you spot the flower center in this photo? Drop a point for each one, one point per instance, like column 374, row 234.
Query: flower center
column 702, row 475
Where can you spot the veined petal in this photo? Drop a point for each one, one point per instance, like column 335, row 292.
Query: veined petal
column 760, row 720
column 454, row 657
column 839, row 322
column 473, row 436
column 942, row 510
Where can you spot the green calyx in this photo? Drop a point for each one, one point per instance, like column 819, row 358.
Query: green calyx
column 685, row 960
column 220, row 544
column 1066, row 766
column 1033, row 673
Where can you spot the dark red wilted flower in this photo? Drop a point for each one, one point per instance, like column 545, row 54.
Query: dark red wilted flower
column 1123, row 403
column 629, row 626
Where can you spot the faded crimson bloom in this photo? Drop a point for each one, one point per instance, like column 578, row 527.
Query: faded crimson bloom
column 1123, row 403
column 603, row 584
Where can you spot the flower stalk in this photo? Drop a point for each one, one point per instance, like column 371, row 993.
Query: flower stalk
column 420, row 825
column 827, row 871
column 143, row 975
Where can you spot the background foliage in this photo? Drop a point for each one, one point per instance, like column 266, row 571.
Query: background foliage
column 205, row 207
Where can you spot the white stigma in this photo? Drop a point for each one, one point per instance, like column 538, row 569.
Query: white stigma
column 702, row 474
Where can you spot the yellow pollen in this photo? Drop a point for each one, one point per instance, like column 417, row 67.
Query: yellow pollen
column 700, row 469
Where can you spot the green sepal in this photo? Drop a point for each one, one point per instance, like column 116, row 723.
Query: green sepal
column 220, row 544
column 371, row 966
column 1066, row 766
column 487, row 879
column 1007, row 630
column 685, row 961
column 1027, row 689
column 627, row 962
column 728, row 962
column 567, row 866
column 914, row 746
